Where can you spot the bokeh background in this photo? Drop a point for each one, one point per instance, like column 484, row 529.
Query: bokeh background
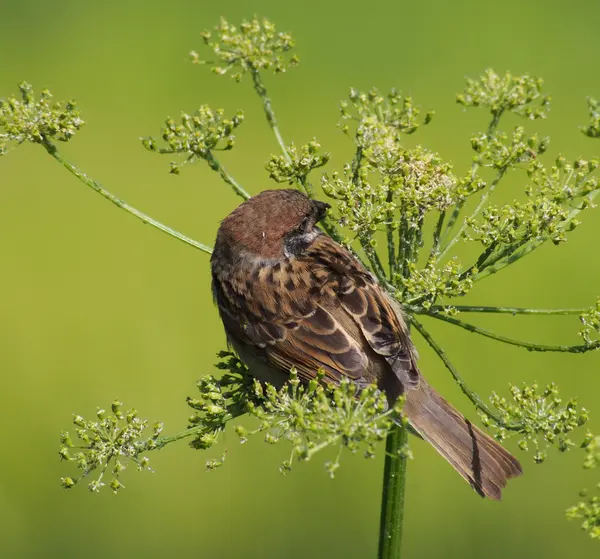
column 94, row 305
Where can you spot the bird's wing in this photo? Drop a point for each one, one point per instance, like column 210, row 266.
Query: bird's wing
column 321, row 310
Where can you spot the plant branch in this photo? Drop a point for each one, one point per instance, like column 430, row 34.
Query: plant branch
column 391, row 245
column 216, row 166
column 581, row 348
column 270, row 114
column 493, row 125
column 507, row 310
column 470, row 394
column 480, row 205
column 435, row 245
column 94, row 185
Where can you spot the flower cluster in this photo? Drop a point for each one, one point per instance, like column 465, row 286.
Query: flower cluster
column 547, row 211
column 420, row 181
column 31, row 120
column 296, row 164
column 433, row 282
column 500, row 151
column 254, row 46
column 196, row 136
column 521, row 95
column 312, row 417
column 380, row 116
column 362, row 210
column 544, row 418
column 107, row 443
column 219, row 400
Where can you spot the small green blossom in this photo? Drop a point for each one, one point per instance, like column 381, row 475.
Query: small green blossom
column 591, row 324
column 296, row 166
column 545, row 419
column 106, row 444
column 591, row 446
column 254, row 46
column 521, row 95
column 593, row 128
column 197, row 136
column 588, row 511
column 31, row 120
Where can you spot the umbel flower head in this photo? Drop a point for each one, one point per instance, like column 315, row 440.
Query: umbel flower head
column 544, row 418
column 254, row 45
column 521, row 95
column 105, row 445
column 196, row 136
column 30, row 120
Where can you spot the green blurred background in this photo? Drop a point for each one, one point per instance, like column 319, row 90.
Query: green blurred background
column 94, row 305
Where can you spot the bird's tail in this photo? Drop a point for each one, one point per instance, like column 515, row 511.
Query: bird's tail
column 478, row 458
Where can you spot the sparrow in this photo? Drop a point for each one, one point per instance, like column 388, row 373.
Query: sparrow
column 290, row 296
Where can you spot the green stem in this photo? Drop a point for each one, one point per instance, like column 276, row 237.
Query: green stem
column 435, row 246
column 581, row 348
column 161, row 442
column 480, row 205
column 216, row 166
column 403, row 231
column 94, row 185
column 234, row 410
column 394, row 484
column 390, row 240
column 493, row 125
column 507, row 310
column 270, row 114
column 373, row 259
column 470, row 394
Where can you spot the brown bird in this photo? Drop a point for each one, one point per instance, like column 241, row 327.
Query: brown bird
column 290, row 296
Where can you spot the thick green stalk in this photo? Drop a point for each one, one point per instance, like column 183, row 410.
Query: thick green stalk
column 392, row 503
column 94, row 185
